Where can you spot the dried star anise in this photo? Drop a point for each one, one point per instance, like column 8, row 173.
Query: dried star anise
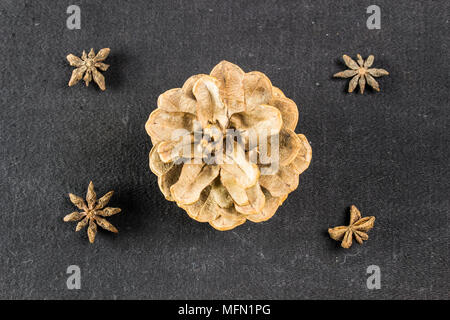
column 361, row 73
column 358, row 227
column 87, row 66
column 92, row 212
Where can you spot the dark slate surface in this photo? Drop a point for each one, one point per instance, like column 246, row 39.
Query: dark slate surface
column 385, row 152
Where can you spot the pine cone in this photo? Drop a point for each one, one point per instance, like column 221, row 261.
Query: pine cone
column 190, row 131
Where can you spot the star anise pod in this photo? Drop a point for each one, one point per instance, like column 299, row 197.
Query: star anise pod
column 361, row 73
column 87, row 66
column 92, row 213
column 358, row 227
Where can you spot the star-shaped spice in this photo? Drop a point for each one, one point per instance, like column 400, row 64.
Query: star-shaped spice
column 92, row 213
column 358, row 227
column 87, row 66
column 361, row 73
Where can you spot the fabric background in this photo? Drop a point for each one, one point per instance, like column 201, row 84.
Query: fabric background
column 385, row 152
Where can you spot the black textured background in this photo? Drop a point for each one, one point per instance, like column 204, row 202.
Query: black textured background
column 385, row 152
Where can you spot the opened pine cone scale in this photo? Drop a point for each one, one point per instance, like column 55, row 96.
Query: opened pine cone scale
column 227, row 193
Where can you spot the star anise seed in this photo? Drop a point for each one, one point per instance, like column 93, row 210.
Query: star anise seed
column 358, row 227
column 92, row 213
column 361, row 73
column 87, row 65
